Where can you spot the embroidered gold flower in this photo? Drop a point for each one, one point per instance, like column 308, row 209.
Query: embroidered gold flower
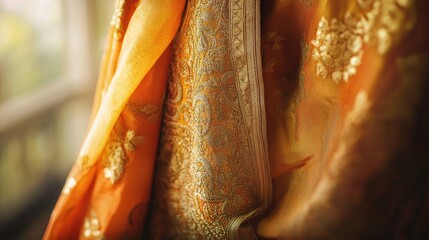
column 338, row 48
column 115, row 156
column 151, row 111
column 308, row 2
column 338, row 43
column 114, row 162
column 91, row 227
column 131, row 140
column 271, row 42
column 387, row 19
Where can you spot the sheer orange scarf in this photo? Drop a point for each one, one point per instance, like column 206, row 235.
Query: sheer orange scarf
column 124, row 129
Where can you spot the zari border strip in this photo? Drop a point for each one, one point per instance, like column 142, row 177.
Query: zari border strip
column 246, row 58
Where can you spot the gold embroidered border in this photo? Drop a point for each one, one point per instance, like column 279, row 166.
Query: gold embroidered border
column 246, row 44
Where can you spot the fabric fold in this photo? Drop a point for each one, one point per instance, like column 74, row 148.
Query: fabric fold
column 123, row 136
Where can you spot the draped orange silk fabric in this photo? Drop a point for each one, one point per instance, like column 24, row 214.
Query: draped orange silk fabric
column 346, row 98
column 99, row 200
column 244, row 119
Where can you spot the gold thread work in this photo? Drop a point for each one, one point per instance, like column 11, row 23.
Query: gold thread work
column 338, row 45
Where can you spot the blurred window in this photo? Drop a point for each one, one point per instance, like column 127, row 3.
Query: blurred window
column 31, row 44
column 50, row 51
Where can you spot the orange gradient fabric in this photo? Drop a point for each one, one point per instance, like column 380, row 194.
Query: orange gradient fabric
column 124, row 128
column 345, row 86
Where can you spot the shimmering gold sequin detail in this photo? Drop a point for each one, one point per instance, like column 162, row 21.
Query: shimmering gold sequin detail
column 115, row 155
column 91, row 227
column 117, row 20
column 151, row 111
column 70, row 184
column 339, row 42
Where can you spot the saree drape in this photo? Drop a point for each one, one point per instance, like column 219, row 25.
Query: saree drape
column 244, row 119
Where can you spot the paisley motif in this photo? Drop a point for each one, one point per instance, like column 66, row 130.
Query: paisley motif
column 206, row 185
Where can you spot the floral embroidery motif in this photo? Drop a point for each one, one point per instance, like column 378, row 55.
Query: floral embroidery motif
column 115, row 162
column 151, row 111
column 131, row 140
column 338, row 48
column 339, row 42
column 70, row 184
column 117, row 20
column 271, row 41
column 387, row 18
column 91, row 227
column 308, row 3
column 115, row 156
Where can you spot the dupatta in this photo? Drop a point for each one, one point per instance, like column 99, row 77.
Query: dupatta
column 108, row 189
